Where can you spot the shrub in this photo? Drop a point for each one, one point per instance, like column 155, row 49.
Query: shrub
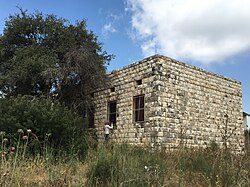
column 50, row 122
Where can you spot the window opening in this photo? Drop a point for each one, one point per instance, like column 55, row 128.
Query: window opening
column 139, row 108
column 139, row 82
column 112, row 89
column 91, row 117
column 112, row 112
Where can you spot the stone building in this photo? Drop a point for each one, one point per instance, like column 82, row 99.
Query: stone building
column 246, row 121
column 159, row 101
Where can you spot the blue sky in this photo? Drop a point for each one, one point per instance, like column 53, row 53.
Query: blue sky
column 211, row 34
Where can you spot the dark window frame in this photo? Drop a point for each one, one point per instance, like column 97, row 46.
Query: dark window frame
column 112, row 112
column 138, row 108
column 91, row 117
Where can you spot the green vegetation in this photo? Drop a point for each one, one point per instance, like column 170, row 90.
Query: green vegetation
column 50, row 122
column 47, row 68
column 43, row 55
column 121, row 165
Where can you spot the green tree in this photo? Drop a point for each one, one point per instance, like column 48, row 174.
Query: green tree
column 43, row 54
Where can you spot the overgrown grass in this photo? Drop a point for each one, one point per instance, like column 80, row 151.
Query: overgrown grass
column 121, row 166
column 124, row 165
column 22, row 165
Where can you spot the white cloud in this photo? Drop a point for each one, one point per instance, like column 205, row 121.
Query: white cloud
column 149, row 47
column 107, row 29
column 111, row 24
column 202, row 30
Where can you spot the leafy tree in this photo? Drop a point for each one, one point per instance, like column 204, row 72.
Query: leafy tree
column 45, row 55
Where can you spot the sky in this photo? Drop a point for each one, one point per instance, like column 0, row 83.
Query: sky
column 213, row 35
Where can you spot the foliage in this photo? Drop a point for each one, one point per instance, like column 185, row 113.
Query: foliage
column 123, row 165
column 20, row 169
column 49, row 121
column 196, row 162
column 217, row 166
column 43, row 55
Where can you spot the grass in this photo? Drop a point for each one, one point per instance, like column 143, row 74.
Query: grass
column 121, row 166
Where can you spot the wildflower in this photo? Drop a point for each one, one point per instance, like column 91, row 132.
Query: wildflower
column 28, row 130
column 146, row 168
column 20, row 131
column 155, row 171
column 6, row 174
column 25, row 137
column 4, row 153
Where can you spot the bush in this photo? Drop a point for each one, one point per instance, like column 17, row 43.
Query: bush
column 50, row 122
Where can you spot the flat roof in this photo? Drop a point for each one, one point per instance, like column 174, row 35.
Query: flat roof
column 158, row 56
column 245, row 114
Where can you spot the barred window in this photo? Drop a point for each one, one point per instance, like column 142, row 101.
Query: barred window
column 139, row 108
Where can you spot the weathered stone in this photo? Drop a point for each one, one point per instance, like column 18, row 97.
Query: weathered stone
column 183, row 104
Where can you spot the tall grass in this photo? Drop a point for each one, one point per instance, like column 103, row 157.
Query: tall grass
column 21, row 165
column 124, row 165
column 120, row 166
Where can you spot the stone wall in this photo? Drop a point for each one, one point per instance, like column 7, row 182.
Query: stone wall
column 184, row 105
